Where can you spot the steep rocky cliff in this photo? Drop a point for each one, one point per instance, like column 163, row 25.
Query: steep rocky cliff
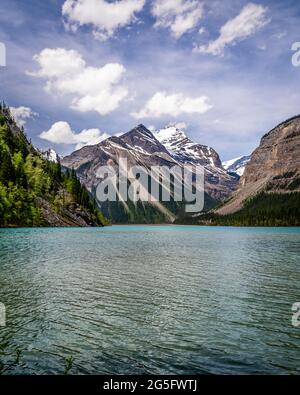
column 218, row 183
column 274, row 166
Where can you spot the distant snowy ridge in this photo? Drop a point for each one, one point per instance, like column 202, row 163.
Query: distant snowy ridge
column 236, row 165
column 51, row 156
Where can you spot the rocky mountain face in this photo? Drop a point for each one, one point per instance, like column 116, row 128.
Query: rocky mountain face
column 218, row 184
column 184, row 150
column 138, row 146
column 237, row 165
column 274, row 167
column 168, row 147
column 72, row 215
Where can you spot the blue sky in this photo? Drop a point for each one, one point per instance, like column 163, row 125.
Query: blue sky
column 80, row 73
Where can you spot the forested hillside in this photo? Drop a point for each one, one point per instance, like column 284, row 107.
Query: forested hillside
column 265, row 209
column 34, row 191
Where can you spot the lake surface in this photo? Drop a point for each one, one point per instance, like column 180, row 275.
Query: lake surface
column 150, row 299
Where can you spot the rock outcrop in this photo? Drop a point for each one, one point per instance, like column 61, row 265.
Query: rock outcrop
column 274, row 166
column 71, row 216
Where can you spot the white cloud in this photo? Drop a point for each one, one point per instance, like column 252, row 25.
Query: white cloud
column 177, row 125
column 152, row 128
column 22, row 114
column 91, row 88
column 248, row 22
column 104, row 16
column 175, row 104
column 180, row 125
column 61, row 133
column 280, row 35
column 202, row 30
column 180, row 16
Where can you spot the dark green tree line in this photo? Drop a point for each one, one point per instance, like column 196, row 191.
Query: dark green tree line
column 26, row 175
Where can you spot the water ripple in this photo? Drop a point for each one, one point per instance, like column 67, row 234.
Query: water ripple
column 151, row 299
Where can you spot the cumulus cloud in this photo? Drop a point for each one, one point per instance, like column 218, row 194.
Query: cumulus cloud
column 174, row 104
column 22, row 114
column 105, row 17
column 61, row 133
column 91, row 88
column 251, row 18
column 180, row 16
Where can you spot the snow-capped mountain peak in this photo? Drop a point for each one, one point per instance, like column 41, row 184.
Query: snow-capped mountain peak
column 228, row 163
column 142, row 138
column 185, row 150
column 143, row 147
column 51, row 156
column 172, row 137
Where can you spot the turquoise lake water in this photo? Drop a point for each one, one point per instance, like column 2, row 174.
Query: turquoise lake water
column 150, row 299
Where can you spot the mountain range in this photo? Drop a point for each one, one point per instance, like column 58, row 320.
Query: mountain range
column 167, row 147
column 41, row 189
column 260, row 189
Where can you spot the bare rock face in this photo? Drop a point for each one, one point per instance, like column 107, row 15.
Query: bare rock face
column 278, row 154
column 185, row 150
column 73, row 216
column 138, row 146
column 218, row 183
column 274, row 166
column 141, row 147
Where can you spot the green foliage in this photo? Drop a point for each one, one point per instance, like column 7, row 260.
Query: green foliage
column 81, row 196
column 25, row 175
column 68, row 365
column 145, row 213
column 38, row 179
column 265, row 209
column 18, row 207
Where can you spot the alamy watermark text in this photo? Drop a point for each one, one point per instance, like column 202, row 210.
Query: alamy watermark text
column 296, row 56
column 154, row 184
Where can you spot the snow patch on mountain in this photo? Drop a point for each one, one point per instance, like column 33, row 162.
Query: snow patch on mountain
column 228, row 163
column 236, row 165
column 172, row 137
column 184, row 149
column 51, row 156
